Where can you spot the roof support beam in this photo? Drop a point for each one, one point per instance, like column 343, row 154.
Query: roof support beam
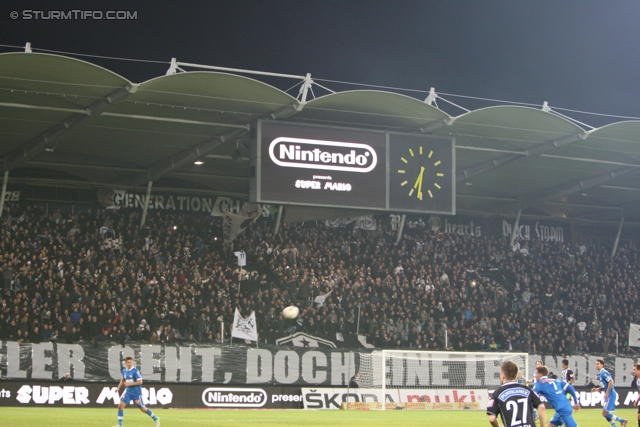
column 166, row 166
column 145, row 209
column 3, row 194
column 515, row 229
column 437, row 124
column 128, row 170
column 174, row 120
column 572, row 188
column 278, row 219
column 42, row 107
column 615, row 244
column 287, row 111
column 488, row 165
column 400, row 228
column 38, row 144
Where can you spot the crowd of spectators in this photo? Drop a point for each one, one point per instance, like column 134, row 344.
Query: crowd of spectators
column 94, row 275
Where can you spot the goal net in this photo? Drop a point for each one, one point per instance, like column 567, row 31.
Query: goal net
column 430, row 380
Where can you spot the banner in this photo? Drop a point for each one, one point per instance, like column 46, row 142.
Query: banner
column 366, row 222
column 171, row 395
column 634, row 335
column 12, row 196
column 541, row 230
column 246, row 329
column 409, row 398
column 215, row 206
column 96, row 395
column 314, row 365
column 111, row 243
column 234, row 224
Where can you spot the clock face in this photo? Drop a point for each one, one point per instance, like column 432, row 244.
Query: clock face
column 421, row 172
column 421, row 175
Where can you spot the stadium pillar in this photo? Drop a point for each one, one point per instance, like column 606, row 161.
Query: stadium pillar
column 146, row 204
column 615, row 244
column 515, row 228
column 400, row 228
column 3, row 195
column 278, row 218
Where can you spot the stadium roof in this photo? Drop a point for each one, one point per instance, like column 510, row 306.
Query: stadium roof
column 67, row 121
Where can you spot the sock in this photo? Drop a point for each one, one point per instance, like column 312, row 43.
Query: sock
column 618, row 419
column 151, row 415
column 120, row 416
column 609, row 417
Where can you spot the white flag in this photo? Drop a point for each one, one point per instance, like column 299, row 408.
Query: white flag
column 234, row 224
column 242, row 258
column 634, row 335
column 245, row 329
column 320, row 299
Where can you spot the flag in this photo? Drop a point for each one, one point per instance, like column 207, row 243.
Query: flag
column 634, row 335
column 111, row 243
column 320, row 299
column 234, row 224
column 367, row 222
column 245, row 329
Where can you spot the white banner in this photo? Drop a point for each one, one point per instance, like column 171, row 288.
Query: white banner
column 245, row 329
column 634, row 335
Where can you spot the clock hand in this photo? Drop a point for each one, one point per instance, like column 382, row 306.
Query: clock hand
column 419, row 178
column 419, row 182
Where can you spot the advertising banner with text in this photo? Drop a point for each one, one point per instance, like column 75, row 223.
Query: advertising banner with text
column 75, row 393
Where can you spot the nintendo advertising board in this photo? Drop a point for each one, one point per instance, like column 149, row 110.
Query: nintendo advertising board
column 352, row 168
column 158, row 395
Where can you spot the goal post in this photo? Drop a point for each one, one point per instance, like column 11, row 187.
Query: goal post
column 405, row 379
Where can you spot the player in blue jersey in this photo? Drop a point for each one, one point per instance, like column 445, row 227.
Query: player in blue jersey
column 636, row 374
column 132, row 380
column 554, row 391
column 610, row 395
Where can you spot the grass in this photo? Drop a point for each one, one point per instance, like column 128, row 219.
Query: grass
column 101, row 417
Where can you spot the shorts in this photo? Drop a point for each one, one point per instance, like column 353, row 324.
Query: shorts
column 609, row 405
column 563, row 418
column 130, row 396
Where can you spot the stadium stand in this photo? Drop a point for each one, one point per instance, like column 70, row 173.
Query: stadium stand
column 93, row 275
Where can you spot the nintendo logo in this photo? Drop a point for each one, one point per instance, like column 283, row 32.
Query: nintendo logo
column 215, row 397
column 325, row 155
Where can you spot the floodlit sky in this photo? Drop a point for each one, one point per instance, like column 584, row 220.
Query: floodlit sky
column 575, row 54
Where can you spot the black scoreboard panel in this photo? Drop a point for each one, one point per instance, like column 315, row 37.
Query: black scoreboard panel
column 352, row 168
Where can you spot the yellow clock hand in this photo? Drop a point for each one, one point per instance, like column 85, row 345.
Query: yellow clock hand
column 419, row 182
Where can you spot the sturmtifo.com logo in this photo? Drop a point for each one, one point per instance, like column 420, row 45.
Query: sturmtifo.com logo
column 215, row 397
column 326, row 155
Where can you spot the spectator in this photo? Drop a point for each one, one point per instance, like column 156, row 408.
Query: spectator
column 66, row 276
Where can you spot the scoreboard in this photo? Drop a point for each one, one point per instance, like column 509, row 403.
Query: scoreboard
column 309, row 165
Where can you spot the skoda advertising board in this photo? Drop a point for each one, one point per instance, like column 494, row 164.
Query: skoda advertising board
column 351, row 168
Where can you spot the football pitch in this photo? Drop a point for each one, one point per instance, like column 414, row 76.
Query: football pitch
column 100, row 417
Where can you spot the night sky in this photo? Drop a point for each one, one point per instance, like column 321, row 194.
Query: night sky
column 581, row 55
